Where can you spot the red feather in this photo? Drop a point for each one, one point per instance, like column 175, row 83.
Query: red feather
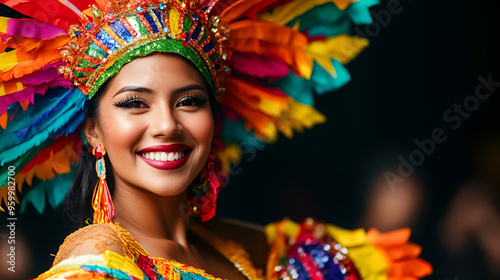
column 49, row 11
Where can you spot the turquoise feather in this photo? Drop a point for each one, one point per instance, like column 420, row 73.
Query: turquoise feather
column 359, row 11
column 60, row 186
column 297, row 88
column 329, row 20
column 21, row 161
column 52, row 190
column 234, row 132
column 326, row 19
column 323, row 82
column 37, row 197
column 70, row 127
column 320, row 82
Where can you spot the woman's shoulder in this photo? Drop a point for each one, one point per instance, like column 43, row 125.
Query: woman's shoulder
column 93, row 239
column 251, row 236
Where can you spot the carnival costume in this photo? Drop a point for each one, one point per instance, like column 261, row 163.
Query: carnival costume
column 263, row 60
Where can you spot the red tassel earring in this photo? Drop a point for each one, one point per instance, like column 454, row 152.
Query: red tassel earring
column 101, row 200
column 202, row 199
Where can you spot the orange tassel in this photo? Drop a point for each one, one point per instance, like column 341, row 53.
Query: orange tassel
column 101, row 200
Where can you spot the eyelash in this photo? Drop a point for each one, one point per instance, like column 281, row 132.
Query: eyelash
column 128, row 101
column 197, row 99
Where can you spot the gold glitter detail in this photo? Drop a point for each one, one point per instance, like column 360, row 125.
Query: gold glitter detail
column 233, row 251
column 174, row 17
column 157, row 22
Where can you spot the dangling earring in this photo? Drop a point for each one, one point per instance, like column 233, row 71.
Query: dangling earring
column 101, row 200
column 202, row 198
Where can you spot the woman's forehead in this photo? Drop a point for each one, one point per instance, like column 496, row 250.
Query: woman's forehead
column 158, row 69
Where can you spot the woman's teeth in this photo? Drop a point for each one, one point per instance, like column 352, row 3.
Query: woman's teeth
column 162, row 156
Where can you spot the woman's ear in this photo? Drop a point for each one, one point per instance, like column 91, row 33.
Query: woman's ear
column 92, row 132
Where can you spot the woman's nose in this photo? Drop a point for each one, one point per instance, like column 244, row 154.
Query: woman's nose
column 163, row 123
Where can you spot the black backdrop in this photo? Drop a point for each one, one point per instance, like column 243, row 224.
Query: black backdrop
column 420, row 62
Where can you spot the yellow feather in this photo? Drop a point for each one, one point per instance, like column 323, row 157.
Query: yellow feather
column 9, row 60
column 343, row 48
column 286, row 13
column 3, row 24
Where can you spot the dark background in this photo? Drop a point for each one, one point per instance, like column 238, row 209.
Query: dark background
column 424, row 60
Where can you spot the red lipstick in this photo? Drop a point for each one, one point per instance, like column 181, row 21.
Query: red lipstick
column 166, row 165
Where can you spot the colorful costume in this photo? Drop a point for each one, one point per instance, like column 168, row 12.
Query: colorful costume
column 310, row 250
column 264, row 60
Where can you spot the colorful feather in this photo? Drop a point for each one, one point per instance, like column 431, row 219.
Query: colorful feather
column 34, row 126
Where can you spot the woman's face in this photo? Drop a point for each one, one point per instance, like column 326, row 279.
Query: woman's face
column 156, row 124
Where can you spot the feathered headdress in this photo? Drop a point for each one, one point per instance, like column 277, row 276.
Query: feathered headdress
column 266, row 60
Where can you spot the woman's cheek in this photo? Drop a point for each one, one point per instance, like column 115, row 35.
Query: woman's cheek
column 122, row 128
column 202, row 128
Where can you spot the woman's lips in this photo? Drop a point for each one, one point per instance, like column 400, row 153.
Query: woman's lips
column 165, row 157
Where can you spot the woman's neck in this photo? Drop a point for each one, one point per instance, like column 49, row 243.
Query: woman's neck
column 151, row 218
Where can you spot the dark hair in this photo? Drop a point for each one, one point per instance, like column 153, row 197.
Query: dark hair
column 78, row 201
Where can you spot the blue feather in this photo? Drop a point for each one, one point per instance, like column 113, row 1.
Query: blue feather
column 71, row 125
column 47, row 107
column 63, row 116
column 23, row 119
column 234, row 132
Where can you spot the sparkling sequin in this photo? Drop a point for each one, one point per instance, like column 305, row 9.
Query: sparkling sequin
column 95, row 51
column 107, row 40
column 121, row 31
column 96, row 12
column 196, row 32
column 208, row 47
column 134, row 22
column 151, row 22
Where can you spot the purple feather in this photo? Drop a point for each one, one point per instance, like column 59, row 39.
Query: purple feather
column 32, row 29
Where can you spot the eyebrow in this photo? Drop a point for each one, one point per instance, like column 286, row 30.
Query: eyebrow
column 133, row 88
column 188, row 88
column 147, row 90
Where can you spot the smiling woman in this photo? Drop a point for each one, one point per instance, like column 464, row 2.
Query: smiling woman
column 139, row 83
column 156, row 104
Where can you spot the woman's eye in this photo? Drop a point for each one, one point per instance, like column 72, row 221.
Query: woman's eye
column 130, row 103
column 192, row 101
